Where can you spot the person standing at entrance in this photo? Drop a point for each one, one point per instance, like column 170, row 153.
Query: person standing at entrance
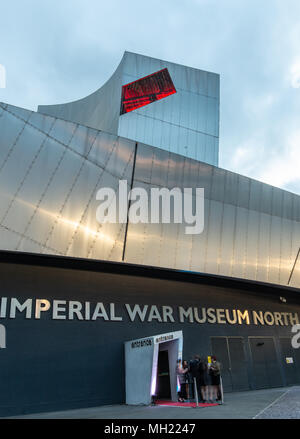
column 204, row 379
column 181, row 378
column 215, row 374
column 195, row 371
column 187, row 376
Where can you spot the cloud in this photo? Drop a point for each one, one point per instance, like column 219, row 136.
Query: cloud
column 56, row 51
column 294, row 73
column 283, row 169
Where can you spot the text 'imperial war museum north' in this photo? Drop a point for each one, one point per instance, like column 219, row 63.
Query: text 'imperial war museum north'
column 193, row 259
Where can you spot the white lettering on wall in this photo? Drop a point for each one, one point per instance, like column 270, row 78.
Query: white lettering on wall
column 2, row 337
column 83, row 311
column 16, row 305
column 113, row 316
column 136, row 310
column 57, row 309
column 186, row 314
column 75, row 309
column 154, row 314
column 243, row 316
column 41, row 305
column 3, row 306
column 100, row 312
column 168, row 314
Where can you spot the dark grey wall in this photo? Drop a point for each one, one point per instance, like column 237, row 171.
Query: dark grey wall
column 52, row 364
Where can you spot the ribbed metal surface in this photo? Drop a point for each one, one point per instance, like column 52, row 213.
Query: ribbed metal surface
column 50, row 171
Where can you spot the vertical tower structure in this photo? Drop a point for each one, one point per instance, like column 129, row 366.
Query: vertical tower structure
column 156, row 102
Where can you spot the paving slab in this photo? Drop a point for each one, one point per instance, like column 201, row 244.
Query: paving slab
column 267, row 403
column 287, row 406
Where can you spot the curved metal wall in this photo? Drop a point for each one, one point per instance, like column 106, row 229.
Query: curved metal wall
column 185, row 123
column 50, row 171
column 100, row 110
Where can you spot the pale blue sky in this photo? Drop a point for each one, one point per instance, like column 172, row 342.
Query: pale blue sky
column 61, row 50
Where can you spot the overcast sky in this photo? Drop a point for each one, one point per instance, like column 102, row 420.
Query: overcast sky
column 61, row 50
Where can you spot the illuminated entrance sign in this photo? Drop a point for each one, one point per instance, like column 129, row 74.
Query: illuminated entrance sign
column 142, row 367
column 149, row 89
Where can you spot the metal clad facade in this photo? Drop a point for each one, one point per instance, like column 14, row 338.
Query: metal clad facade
column 185, row 123
column 251, row 229
column 50, row 173
column 51, row 170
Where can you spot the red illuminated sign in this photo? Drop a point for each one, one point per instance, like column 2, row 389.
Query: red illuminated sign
column 142, row 92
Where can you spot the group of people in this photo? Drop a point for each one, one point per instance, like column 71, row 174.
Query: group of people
column 207, row 376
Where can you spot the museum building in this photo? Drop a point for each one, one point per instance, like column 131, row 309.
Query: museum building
column 83, row 303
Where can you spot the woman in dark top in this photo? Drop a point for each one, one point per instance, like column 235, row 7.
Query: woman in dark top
column 215, row 374
column 188, row 380
column 204, row 380
column 181, row 377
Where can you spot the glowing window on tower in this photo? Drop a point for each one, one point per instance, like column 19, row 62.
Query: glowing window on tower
column 142, row 92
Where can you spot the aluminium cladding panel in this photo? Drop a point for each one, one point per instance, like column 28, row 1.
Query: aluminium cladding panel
column 100, row 110
column 50, row 171
column 197, row 81
column 187, row 122
column 251, row 230
column 295, row 276
column 170, row 137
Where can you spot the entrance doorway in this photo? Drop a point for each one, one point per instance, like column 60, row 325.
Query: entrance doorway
column 230, row 351
column 163, row 387
column 150, row 367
